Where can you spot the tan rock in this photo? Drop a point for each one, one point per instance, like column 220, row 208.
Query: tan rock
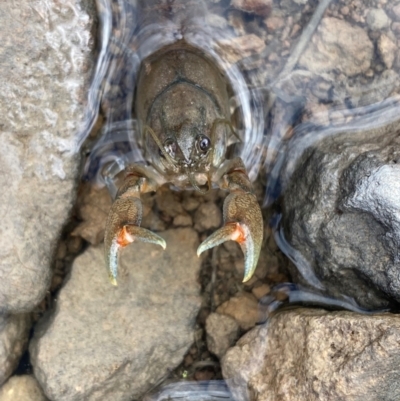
column 314, row 355
column 222, row 332
column 274, row 23
column 337, row 45
column 22, row 388
column 14, row 334
column 208, row 216
column 387, row 50
column 261, row 291
column 241, row 47
column 93, row 208
column 113, row 343
column 243, row 308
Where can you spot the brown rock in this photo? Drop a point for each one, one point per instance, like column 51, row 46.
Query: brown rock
column 274, row 23
column 183, row 220
column 258, row 7
column 387, row 50
column 222, row 332
column 243, row 308
column 337, row 45
column 314, row 355
column 93, row 208
column 236, row 49
column 261, row 291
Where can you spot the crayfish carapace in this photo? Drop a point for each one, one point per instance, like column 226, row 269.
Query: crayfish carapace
column 182, row 106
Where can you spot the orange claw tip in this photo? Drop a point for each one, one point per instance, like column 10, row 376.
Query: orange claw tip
column 124, row 238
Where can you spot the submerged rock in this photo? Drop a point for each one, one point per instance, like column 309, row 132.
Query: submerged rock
column 22, row 388
column 314, row 355
column 46, row 59
column 105, row 342
column 337, row 45
column 341, row 212
column 14, row 333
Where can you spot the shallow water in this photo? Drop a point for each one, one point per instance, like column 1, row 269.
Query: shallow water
column 269, row 96
column 282, row 107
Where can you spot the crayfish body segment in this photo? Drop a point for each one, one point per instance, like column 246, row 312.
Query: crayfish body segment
column 182, row 106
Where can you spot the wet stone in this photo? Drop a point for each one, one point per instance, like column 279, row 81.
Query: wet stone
column 396, row 12
column 14, row 333
column 315, row 355
column 46, row 62
column 387, row 50
column 236, row 49
column 22, row 388
column 140, row 329
column 377, row 19
column 341, row 213
column 222, row 332
column 337, row 45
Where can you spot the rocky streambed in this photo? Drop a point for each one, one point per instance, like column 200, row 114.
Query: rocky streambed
column 333, row 146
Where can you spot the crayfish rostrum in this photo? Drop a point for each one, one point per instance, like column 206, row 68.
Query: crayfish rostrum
column 182, row 106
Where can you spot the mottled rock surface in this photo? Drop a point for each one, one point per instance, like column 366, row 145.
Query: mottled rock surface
column 314, row 355
column 22, row 388
column 14, row 333
column 126, row 337
column 243, row 308
column 45, row 59
column 222, row 332
column 341, row 212
column 338, row 45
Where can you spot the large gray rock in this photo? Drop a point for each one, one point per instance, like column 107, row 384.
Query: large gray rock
column 22, row 388
column 105, row 342
column 14, row 333
column 45, row 59
column 314, row 355
column 341, row 212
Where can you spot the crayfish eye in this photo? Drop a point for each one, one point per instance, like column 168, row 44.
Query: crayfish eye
column 204, row 143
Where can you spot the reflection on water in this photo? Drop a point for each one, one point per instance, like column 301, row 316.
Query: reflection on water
column 288, row 90
column 193, row 391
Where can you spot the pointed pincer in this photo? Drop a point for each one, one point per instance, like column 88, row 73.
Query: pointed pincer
column 122, row 228
column 243, row 224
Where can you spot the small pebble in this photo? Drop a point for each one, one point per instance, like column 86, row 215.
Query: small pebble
column 190, row 204
column 183, row 220
column 243, row 308
column 208, row 216
column 222, row 333
column 377, row 19
column 261, row 291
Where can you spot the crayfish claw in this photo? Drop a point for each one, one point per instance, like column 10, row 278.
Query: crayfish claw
column 126, row 235
column 244, row 225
